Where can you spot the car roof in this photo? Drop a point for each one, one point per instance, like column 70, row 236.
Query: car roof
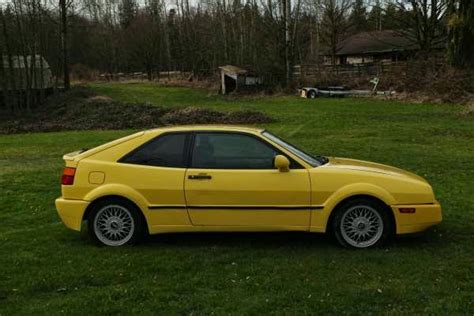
column 207, row 127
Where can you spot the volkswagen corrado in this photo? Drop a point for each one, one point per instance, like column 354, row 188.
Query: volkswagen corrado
column 224, row 178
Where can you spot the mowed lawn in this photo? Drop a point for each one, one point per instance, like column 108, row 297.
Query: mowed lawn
column 46, row 268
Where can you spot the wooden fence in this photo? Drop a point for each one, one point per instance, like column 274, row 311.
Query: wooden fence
column 314, row 71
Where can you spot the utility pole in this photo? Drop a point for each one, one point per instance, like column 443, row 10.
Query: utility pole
column 63, row 6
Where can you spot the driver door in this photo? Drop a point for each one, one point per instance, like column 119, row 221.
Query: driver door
column 232, row 182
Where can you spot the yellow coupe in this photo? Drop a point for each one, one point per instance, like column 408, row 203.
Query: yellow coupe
column 224, row 178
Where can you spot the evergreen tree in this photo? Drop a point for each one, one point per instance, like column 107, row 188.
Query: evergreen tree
column 392, row 18
column 127, row 12
column 375, row 17
column 358, row 17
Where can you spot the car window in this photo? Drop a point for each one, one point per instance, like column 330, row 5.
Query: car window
column 231, row 151
column 165, row 151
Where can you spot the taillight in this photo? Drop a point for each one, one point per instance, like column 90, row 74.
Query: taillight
column 68, row 176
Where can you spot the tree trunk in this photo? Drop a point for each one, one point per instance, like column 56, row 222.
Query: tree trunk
column 64, row 33
column 461, row 33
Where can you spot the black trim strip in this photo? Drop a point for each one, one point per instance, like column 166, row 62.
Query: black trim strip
column 216, row 207
column 159, row 207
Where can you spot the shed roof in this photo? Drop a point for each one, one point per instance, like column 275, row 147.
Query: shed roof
column 233, row 69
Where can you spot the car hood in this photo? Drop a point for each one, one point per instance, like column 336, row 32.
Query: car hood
column 367, row 166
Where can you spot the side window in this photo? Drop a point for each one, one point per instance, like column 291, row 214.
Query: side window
column 164, row 151
column 231, row 151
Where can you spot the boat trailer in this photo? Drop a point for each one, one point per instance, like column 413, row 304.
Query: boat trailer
column 341, row 91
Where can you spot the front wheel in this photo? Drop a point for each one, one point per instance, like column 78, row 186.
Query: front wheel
column 115, row 222
column 361, row 223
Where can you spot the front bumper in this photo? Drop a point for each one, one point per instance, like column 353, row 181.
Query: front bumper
column 71, row 212
column 425, row 216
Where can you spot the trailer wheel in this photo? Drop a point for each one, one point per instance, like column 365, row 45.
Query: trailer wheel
column 311, row 94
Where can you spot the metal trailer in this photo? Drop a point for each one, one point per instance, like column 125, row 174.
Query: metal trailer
column 341, row 91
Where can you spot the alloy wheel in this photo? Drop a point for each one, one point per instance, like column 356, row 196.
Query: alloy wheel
column 114, row 225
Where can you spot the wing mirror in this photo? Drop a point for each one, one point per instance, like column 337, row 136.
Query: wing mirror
column 281, row 163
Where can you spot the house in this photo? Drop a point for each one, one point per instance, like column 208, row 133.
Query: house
column 234, row 79
column 377, row 46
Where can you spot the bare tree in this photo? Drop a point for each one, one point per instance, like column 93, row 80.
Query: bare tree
column 423, row 21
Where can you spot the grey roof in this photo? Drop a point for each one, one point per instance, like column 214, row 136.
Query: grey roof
column 376, row 42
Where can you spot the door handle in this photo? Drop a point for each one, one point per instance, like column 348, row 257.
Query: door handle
column 200, row 177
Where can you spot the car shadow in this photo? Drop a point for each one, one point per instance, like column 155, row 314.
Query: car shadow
column 271, row 240
column 241, row 239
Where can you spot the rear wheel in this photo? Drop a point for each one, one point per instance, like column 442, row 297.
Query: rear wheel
column 361, row 223
column 115, row 222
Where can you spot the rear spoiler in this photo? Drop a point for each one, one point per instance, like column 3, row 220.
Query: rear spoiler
column 72, row 155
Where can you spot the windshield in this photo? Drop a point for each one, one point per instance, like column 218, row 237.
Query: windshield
column 310, row 159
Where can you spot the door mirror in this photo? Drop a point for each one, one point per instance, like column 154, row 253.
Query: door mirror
column 281, row 163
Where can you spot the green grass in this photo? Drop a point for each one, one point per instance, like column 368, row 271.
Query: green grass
column 45, row 268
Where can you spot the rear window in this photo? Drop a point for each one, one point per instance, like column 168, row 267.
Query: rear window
column 164, row 151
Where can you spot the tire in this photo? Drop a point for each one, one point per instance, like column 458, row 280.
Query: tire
column 361, row 223
column 115, row 222
column 311, row 94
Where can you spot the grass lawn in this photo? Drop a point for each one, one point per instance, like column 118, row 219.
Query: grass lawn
column 45, row 268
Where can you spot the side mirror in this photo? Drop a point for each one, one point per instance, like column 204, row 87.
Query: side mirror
column 281, row 163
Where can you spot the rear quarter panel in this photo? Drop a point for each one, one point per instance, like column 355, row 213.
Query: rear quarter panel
column 99, row 175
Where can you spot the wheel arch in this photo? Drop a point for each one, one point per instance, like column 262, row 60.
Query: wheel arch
column 91, row 205
column 117, row 191
column 321, row 220
column 370, row 197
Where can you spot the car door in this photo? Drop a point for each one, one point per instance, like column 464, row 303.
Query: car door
column 231, row 181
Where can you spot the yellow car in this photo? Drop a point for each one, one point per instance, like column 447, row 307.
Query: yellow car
column 224, row 178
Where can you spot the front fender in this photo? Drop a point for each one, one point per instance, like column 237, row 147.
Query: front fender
column 319, row 218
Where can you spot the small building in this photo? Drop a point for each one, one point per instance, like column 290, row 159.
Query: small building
column 21, row 73
column 235, row 79
column 373, row 47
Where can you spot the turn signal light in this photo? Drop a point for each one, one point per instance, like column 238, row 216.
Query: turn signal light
column 407, row 210
column 68, row 176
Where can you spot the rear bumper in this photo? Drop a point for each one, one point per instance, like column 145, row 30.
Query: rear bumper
column 71, row 212
column 425, row 216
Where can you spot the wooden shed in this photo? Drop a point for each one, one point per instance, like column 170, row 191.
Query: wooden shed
column 21, row 73
column 235, row 79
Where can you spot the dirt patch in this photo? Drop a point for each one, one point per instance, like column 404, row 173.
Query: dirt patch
column 99, row 98
column 469, row 109
column 81, row 109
